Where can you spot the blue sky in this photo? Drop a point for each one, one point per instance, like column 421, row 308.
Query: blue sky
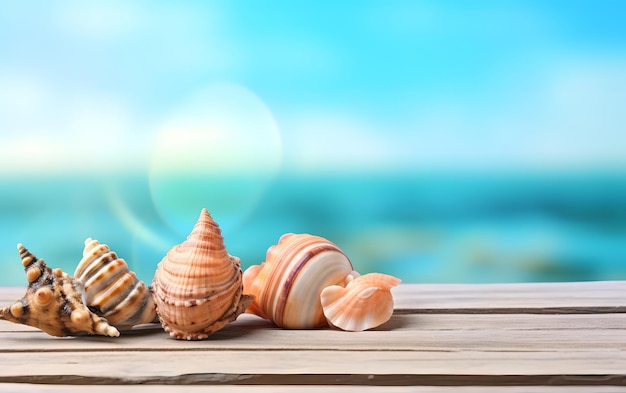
column 311, row 87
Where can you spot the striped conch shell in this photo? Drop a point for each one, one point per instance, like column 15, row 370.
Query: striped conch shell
column 364, row 303
column 198, row 286
column 288, row 284
column 112, row 290
column 54, row 302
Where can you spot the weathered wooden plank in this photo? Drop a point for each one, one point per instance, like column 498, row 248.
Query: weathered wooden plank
column 429, row 322
column 461, row 335
column 573, row 297
column 593, row 296
column 317, row 367
column 404, row 332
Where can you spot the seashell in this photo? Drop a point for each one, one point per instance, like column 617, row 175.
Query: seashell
column 198, row 286
column 364, row 303
column 112, row 290
column 53, row 302
column 288, row 284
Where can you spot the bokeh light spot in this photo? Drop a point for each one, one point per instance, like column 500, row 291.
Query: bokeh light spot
column 220, row 150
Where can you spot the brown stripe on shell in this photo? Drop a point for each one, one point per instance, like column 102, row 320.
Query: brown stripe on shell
column 112, row 290
column 293, row 274
column 288, row 283
column 198, row 285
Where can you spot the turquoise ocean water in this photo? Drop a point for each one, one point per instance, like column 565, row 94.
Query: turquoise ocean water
column 421, row 228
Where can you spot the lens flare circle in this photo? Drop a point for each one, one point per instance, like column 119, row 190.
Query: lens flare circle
column 219, row 150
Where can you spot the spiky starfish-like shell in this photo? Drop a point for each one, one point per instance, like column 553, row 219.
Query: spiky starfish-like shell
column 54, row 302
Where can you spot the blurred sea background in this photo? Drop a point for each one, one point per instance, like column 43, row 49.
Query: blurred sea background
column 438, row 141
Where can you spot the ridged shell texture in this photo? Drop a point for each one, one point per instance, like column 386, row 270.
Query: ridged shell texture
column 364, row 303
column 198, row 285
column 288, row 284
column 111, row 289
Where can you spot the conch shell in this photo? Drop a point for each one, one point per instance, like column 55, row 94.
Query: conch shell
column 288, row 284
column 198, row 286
column 364, row 303
column 112, row 290
column 53, row 302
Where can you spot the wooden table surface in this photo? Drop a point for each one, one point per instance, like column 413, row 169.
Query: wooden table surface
column 552, row 337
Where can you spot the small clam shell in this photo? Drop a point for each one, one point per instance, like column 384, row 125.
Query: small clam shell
column 288, row 284
column 112, row 290
column 364, row 303
column 53, row 302
column 198, row 285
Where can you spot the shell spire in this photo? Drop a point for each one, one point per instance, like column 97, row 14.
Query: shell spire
column 53, row 302
column 198, row 286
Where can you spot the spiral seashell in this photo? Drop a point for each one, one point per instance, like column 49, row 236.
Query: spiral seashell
column 288, row 284
column 54, row 302
column 112, row 290
column 364, row 303
column 198, row 286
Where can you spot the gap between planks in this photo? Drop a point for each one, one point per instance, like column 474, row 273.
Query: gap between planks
column 30, row 388
column 335, row 380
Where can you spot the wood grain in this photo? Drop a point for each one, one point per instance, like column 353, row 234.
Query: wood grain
column 543, row 298
column 592, row 296
column 402, row 333
column 496, row 337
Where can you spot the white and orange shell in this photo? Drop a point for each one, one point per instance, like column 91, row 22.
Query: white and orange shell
column 112, row 290
column 198, row 286
column 364, row 303
column 54, row 302
column 288, row 284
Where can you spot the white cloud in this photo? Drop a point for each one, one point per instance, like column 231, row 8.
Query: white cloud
column 174, row 37
column 20, row 94
column 580, row 120
column 334, row 141
column 45, row 130
column 221, row 129
column 572, row 118
column 67, row 154
column 574, row 121
column 90, row 20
